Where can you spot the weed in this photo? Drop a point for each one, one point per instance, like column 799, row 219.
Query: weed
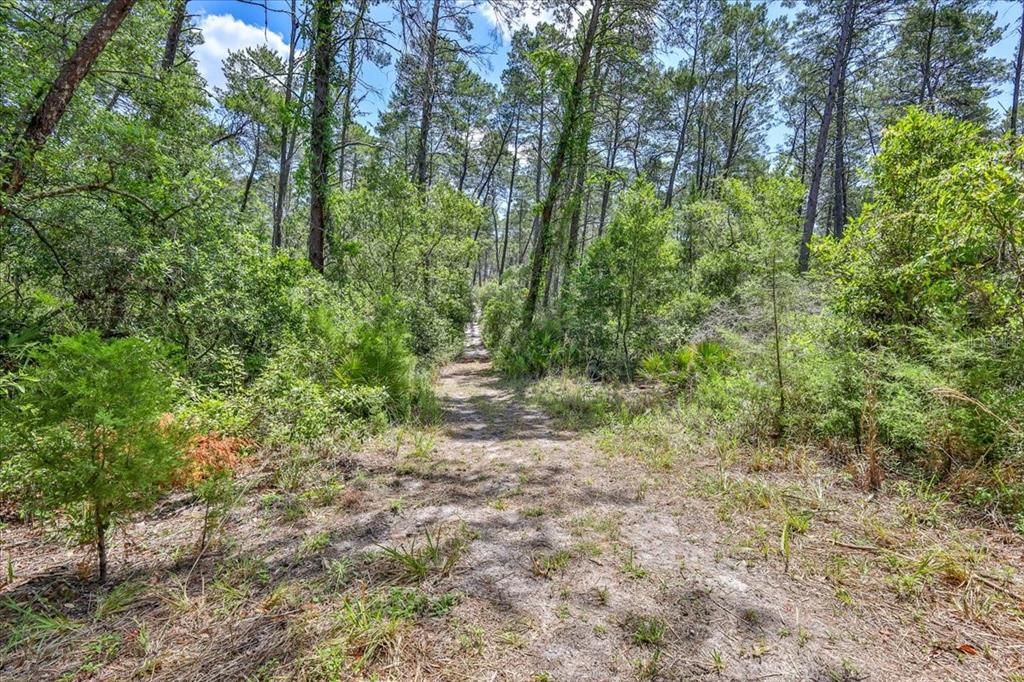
column 546, row 564
column 324, row 494
column 314, row 544
column 33, row 627
column 602, row 595
column 646, row 630
column 631, row 567
column 803, row 636
column 533, row 512
column 717, row 661
column 471, row 637
column 587, row 549
column 436, row 555
column 512, row 639
column 795, row 523
column 646, row 668
column 423, row 443
column 118, row 599
column 338, row 573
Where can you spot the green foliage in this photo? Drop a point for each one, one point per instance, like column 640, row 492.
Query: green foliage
column 501, row 310
column 683, row 367
column 91, row 445
column 410, row 250
column 922, row 292
column 612, row 301
column 532, row 353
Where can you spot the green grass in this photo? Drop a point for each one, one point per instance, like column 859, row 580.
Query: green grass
column 438, row 555
column 646, row 630
column 118, row 599
column 34, row 626
column 631, row 566
column 368, row 629
column 546, row 564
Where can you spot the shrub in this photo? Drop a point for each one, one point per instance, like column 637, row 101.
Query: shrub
column 683, row 367
column 533, row 353
column 93, row 444
column 502, row 309
column 612, row 301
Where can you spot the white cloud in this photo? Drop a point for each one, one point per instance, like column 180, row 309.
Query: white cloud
column 530, row 18
column 222, row 33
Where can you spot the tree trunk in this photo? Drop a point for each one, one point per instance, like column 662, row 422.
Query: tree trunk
column 350, row 83
column 582, row 154
column 508, row 202
column 839, row 158
column 427, row 112
column 924, row 94
column 100, row 525
column 173, row 35
column 838, row 66
column 678, row 157
column 609, row 166
column 320, row 130
column 1017, row 68
column 464, row 168
column 285, row 161
column 252, row 172
column 565, row 139
column 48, row 115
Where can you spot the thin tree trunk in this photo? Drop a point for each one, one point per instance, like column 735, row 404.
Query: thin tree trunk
column 609, row 166
column 173, row 35
column 45, row 119
column 100, row 525
column 252, row 172
column 565, row 139
column 350, row 83
column 320, row 129
column 924, row 94
column 1017, row 68
column 427, row 112
column 678, row 157
column 464, row 168
column 839, row 158
column 581, row 154
column 842, row 52
column 538, row 168
column 773, row 266
column 508, row 202
column 285, row 160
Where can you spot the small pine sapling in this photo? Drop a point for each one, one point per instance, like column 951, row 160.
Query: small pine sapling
column 93, row 441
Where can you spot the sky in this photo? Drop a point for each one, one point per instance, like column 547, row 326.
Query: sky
column 229, row 25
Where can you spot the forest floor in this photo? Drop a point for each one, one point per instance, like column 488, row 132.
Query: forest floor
column 502, row 545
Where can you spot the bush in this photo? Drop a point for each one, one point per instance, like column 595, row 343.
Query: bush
column 930, row 296
column 683, row 367
column 92, row 440
column 612, row 302
column 380, row 357
column 533, row 353
column 502, row 311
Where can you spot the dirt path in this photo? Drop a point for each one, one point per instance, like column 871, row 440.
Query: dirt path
column 583, row 568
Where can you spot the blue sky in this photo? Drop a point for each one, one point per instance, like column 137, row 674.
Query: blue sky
column 231, row 25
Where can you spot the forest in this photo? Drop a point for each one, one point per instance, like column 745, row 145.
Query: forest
column 483, row 340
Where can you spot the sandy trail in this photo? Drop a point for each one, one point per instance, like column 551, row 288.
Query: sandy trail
column 579, row 558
